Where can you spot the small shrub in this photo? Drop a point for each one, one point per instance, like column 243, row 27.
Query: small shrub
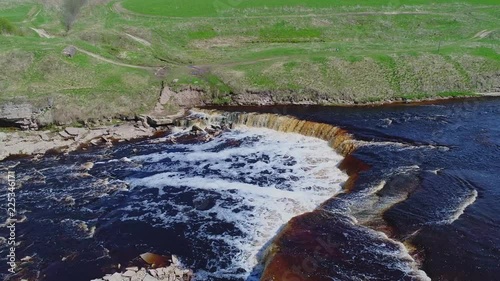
column 6, row 27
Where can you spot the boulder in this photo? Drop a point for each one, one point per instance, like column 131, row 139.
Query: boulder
column 175, row 260
column 179, row 272
column 75, row 131
column 44, row 118
column 88, row 166
column 129, row 273
column 44, row 136
column 153, row 272
column 143, row 121
column 69, row 51
column 149, row 278
column 195, row 130
column 140, row 274
column 65, row 135
column 116, row 277
column 159, row 121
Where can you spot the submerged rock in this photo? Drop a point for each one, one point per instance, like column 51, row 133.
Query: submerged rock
column 87, row 166
column 154, row 259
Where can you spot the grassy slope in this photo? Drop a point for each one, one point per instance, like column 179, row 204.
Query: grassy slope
column 326, row 51
column 334, row 51
column 34, row 70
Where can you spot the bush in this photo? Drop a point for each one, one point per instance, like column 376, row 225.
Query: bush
column 6, row 27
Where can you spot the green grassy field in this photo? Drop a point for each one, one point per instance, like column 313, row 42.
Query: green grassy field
column 203, row 8
column 317, row 51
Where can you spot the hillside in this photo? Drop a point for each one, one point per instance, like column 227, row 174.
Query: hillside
column 315, row 51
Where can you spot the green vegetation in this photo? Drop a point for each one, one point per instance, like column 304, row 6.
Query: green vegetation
column 8, row 130
column 203, row 8
column 285, row 32
column 15, row 13
column 6, row 26
column 317, row 50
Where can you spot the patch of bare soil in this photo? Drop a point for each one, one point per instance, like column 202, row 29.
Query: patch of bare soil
column 42, row 33
column 482, row 34
column 139, row 40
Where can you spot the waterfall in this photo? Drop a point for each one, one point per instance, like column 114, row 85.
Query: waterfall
column 336, row 137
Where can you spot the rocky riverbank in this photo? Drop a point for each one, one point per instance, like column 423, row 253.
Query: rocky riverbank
column 66, row 139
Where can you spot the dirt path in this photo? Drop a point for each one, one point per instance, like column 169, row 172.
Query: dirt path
column 42, row 33
column 139, row 40
column 98, row 57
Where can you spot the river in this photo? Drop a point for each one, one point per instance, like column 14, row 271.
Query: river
column 410, row 192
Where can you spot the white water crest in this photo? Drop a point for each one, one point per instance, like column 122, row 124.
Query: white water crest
column 454, row 214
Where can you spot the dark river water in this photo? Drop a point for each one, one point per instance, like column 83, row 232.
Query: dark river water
column 425, row 206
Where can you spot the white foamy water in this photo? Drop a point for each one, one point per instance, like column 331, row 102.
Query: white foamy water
column 405, row 263
column 455, row 213
column 261, row 179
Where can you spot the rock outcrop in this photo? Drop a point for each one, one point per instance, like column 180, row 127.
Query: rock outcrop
column 159, row 121
column 186, row 97
column 254, row 98
column 16, row 115
column 25, row 116
column 69, row 139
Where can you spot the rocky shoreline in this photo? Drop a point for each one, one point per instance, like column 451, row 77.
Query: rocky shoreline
column 64, row 140
column 67, row 139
